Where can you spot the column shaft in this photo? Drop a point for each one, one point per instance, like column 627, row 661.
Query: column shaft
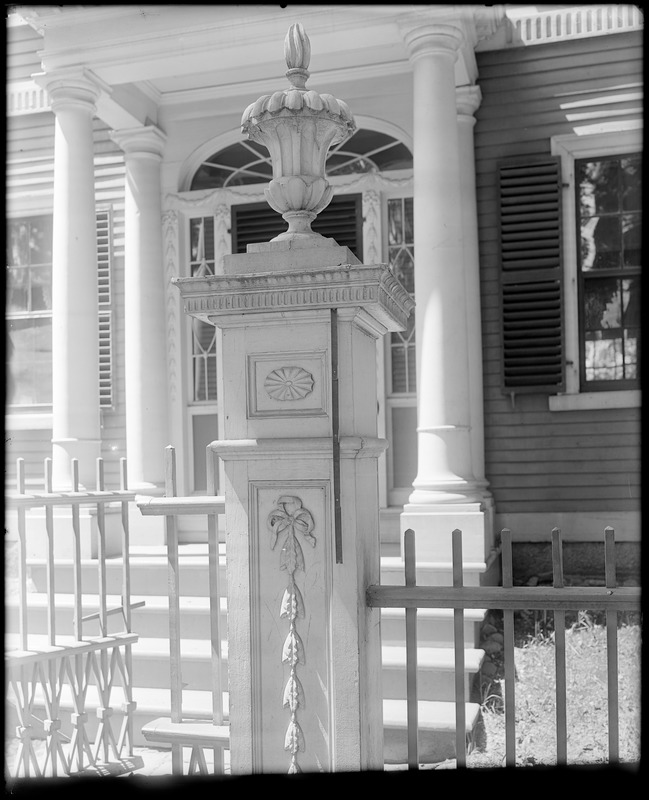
column 75, row 334
column 445, row 470
column 144, row 308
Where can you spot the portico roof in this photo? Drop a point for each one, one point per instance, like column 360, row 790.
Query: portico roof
column 173, row 54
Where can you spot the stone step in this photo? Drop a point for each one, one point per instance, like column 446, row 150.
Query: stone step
column 435, row 672
column 436, row 719
column 435, row 626
column 430, row 573
column 148, row 572
column 150, row 620
column 436, row 726
column 148, row 568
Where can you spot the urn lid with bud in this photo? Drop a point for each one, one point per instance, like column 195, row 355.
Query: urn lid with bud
column 298, row 126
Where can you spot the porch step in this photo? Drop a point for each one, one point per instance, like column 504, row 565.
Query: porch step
column 148, row 620
column 435, row 626
column 430, row 573
column 148, row 571
column 436, row 722
column 435, row 672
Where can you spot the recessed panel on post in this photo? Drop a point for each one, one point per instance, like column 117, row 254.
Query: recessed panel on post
column 292, row 384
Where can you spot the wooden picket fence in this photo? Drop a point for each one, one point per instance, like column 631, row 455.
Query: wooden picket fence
column 509, row 598
column 44, row 673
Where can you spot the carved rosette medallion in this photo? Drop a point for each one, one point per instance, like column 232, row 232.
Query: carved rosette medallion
column 288, row 383
column 289, row 518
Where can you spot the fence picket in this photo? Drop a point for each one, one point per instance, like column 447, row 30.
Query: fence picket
column 508, row 648
column 611, row 651
column 410, row 565
column 171, row 530
column 560, row 652
column 458, row 647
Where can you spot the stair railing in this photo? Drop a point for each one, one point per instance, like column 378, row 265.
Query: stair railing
column 177, row 730
column 557, row 598
column 45, row 673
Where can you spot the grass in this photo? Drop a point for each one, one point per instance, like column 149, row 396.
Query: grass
column 587, row 709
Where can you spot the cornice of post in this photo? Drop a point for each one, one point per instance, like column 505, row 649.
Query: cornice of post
column 146, row 141
column 468, row 99
column 425, row 34
column 72, row 88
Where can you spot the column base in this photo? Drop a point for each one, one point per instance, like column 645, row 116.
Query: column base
column 86, row 451
column 434, row 524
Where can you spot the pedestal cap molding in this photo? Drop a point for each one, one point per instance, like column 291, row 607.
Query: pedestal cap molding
column 372, row 288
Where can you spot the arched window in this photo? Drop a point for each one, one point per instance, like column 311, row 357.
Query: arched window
column 248, row 162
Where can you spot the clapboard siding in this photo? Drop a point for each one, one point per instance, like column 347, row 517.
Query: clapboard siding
column 538, row 461
column 23, row 44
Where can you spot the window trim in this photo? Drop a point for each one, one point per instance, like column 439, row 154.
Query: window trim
column 614, row 139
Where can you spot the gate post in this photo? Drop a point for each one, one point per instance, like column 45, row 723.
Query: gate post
column 300, row 317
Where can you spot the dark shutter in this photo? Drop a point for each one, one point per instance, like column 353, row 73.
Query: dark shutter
column 529, row 195
column 341, row 220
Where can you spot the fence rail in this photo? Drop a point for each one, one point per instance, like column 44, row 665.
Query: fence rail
column 62, row 667
column 508, row 598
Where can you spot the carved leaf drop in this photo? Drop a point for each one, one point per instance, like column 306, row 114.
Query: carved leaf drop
column 289, row 518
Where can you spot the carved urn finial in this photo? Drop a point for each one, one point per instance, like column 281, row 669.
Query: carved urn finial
column 298, row 126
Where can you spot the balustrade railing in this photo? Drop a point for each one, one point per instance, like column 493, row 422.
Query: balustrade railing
column 178, row 730
column 53, row 678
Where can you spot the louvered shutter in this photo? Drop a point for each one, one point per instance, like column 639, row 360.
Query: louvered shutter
column 341, row 220
column 529, row 193
column 104, row 284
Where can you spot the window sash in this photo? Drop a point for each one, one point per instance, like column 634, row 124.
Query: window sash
column 605, row 279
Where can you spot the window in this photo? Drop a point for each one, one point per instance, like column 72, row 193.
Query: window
column 608, row 195
column 599, row 341
column 29, row 310
column 401, row 400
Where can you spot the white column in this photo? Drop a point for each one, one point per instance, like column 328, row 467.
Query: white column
column 446, row 492
column 468, row 100
column 75, row 334
column 144, row 308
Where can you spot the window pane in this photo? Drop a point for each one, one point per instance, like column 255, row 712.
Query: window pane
column 29, row 358
column 631, row 239
column 203, row 432
column 204, row 358
column 401, row 259
column 599, row 186
column 601, row 243
column 404, row 447
column 395, row 222
column 631, row 183
column 603, row 304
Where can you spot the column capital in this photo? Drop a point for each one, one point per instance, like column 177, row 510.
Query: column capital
column 72, row 88
column 147, row 141
column 468, row 99
column 426, row 36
